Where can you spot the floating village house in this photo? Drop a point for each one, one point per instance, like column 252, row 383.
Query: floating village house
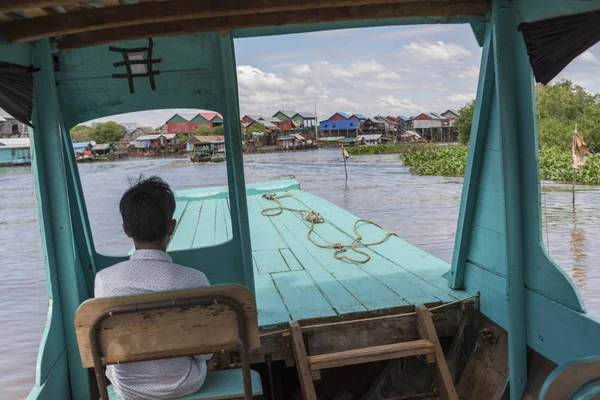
column 129, row 138
column 187, row 122
column 287, row 115
column 81, row 147
column 155, row 141
column 450, row 115
column 403, row 123
column 199, row 141
column 15, row 151
column 273, row 124
column 373, row 124
column 434, row 127
column 307, row 120
column 103, row 149
column 370, row 139
column 341, row 124
column 390, row 125
column 130, row 126
column 10, row 127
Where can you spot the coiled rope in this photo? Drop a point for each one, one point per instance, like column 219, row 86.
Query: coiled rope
column 315, row 218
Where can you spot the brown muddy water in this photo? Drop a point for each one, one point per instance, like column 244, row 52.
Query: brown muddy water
column 422, row 210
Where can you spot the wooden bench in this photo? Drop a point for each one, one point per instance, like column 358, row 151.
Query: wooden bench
column 159, row 325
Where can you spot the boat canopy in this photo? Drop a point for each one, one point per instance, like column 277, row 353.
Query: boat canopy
column 64, row 62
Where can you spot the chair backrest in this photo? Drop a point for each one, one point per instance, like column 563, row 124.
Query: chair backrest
column 165, row 324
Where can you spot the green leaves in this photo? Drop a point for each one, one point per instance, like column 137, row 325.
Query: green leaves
column 204, row 130
column 464, row 122
column 562, row 106
column 391, row 148
column 107, row 132
column 555, row 164
column 103, row 132
column 81, row 133
column 448, row 161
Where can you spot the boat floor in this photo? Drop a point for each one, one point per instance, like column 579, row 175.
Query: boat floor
column 296, row 280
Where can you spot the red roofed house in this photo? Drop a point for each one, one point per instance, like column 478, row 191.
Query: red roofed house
column 187, row 122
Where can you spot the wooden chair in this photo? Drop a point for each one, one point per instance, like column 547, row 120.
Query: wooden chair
column 170, row 324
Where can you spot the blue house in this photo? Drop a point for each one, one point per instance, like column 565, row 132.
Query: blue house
column 403, row 123
column 341, row 123
column 80, row 147
column 15, row 151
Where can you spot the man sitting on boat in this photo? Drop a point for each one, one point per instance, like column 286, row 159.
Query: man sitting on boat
column 147, row 210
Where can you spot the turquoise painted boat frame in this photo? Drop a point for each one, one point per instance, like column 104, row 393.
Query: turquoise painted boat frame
column 498, row 250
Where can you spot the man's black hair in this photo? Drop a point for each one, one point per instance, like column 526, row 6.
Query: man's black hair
column 147, row 209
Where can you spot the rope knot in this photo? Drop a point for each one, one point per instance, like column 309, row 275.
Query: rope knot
column 339, row 246
column 314, row 218
column 269, row 196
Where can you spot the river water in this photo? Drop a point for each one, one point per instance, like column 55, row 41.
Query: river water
column 421, row 210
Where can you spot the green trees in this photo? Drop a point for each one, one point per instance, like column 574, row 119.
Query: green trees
column 256, row 128
column 102, row 132
column 107, row 132
column 464, row 122
column 560, row 107
column 204, row 130
column 81, row 133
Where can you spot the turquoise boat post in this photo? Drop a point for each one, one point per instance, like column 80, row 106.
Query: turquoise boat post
column 500, row 271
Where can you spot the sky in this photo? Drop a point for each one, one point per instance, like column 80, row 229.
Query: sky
column 400, row 70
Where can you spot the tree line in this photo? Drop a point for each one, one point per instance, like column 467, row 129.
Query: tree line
column 560, row 107
column 101, row 132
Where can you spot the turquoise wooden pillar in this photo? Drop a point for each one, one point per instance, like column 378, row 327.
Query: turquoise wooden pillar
column 514, row 91
column 235, row 164
column 491, row 233
column 63, row 268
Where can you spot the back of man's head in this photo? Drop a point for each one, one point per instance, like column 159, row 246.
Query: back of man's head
column 147, row 210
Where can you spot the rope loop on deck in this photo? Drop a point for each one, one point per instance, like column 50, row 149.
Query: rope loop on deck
column 315, row 218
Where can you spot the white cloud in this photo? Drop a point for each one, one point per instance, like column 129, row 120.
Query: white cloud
column 461, row 97
column 253, row 78
column 587, row 57
column 435, row 51
column 403, row 106
column 464, row 72
column 436, row 87
column 418, row 31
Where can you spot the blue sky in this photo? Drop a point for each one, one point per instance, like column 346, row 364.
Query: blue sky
column 388, row 70
column 402, row 70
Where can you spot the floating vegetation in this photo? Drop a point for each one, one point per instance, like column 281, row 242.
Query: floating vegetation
column 555, row 164
column 447, row 161
column 392, row 148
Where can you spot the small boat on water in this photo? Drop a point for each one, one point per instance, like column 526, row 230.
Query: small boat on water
column 219, row 156
column 309, row 301
column 206, row 151
column 201, row 156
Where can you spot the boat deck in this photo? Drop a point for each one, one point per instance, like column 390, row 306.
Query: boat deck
column 296, row 280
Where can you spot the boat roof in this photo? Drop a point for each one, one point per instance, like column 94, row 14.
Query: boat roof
column 14, row 142
column 76, row 24
column 369, row 137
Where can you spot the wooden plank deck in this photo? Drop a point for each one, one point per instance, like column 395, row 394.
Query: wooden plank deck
column 296, row 280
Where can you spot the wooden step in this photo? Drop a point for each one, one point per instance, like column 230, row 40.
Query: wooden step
column 370, row 354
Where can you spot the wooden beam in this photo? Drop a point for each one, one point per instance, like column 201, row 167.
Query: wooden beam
column 18, row 5
column 371, row 354
column 304, row 375
column 427, row 331
column 325, row 335
column 223, row 13
column 413, row 9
